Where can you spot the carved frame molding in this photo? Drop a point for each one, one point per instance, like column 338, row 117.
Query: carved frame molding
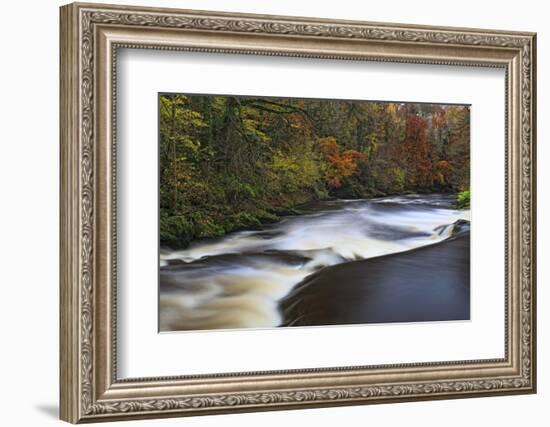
column 90, row 36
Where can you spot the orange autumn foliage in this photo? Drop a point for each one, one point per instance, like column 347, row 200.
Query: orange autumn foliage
column 415, row 151
column 340, row 164
column 443, row 172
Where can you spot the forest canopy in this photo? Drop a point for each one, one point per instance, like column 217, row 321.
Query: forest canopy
column 231, row 162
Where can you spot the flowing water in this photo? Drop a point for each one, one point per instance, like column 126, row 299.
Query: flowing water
column 237, row 281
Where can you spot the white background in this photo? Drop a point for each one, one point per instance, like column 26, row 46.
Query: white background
column 145, row 353
column 29, row 170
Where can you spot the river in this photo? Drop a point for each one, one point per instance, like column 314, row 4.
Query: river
column 248, row 279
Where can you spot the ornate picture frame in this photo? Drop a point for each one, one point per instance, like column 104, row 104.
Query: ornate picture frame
column 90, row 37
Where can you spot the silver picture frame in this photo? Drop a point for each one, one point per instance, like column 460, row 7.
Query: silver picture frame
column 90, row 37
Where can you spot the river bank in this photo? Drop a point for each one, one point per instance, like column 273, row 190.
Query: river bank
column 177, row 232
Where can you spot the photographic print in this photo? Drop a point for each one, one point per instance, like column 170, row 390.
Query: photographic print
column 324, row 223
column 286, row 212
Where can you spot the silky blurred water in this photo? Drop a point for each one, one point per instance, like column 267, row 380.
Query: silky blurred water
column 236, row 281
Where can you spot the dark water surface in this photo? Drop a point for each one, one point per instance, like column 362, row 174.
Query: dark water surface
column 430, row 283
column 390, row 259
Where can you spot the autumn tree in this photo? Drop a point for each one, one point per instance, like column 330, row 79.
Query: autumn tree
column 415, row 152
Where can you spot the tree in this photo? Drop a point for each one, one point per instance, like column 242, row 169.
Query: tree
column 415, row 153
column 340, row 164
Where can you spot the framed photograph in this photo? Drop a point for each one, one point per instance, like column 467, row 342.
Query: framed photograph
column 266, row 212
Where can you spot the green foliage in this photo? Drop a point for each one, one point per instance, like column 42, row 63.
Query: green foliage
column 176, row 230
column 184, row 228
column 228, row 163
column 463, row 199
column 240, row 221
column 294, row 172
column 237, row 191
column 398, row 179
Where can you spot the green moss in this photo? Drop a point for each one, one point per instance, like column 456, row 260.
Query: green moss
column 176, row 230
column 463, row 199
column 179, row 231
